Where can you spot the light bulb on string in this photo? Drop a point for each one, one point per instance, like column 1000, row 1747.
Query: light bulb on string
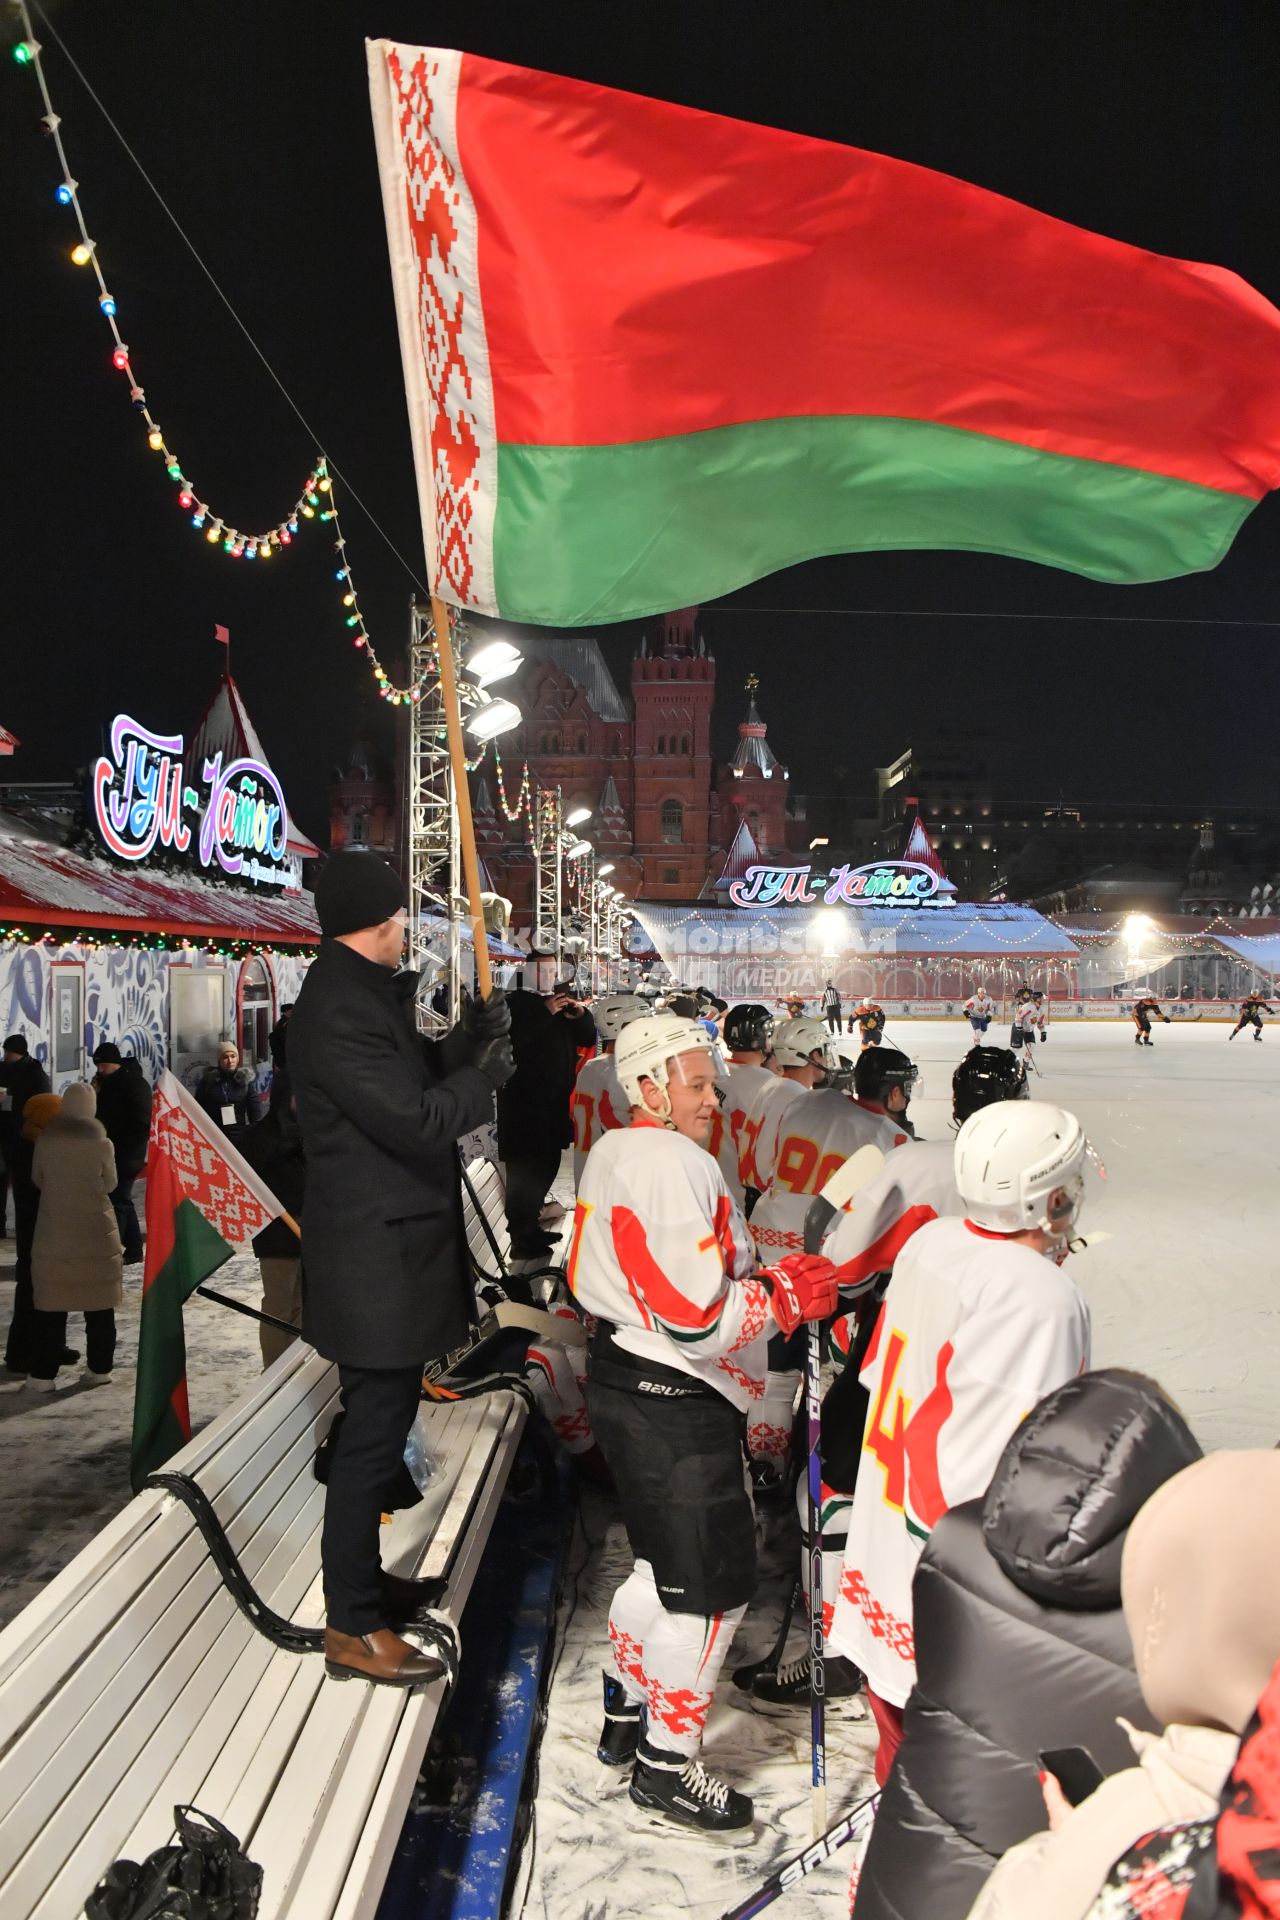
column 65, row 192
column 82, row 252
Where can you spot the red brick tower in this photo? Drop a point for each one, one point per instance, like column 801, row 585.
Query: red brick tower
column 673, row 684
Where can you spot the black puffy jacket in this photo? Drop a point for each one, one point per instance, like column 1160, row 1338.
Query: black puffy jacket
column 1020, row 1642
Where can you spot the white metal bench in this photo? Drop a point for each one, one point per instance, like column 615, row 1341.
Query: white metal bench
column 484, row 1208
column 134, row 1682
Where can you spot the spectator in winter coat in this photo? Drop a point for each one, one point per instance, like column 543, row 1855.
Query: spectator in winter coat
column 1201, row 1591
column 124, row 1108
column 75, row 1259
column 21, row 1079
column 534, row 1125
column 280, row 1039
column 226, row 1093
column 1020, row 1641
column 274, row 1149
column 385, row 1271
column 1228, row 1869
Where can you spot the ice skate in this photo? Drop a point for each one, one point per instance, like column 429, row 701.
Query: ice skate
column 620, row 1734
column 681, row 1791
column 788, row 1685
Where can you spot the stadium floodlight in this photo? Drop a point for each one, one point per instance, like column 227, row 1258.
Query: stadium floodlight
column 493, row 717
column 491, row 660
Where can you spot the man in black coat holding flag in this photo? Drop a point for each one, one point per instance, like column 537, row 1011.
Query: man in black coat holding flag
column 384, row 1262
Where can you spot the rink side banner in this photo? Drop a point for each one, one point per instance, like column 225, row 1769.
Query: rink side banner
column 881, row 883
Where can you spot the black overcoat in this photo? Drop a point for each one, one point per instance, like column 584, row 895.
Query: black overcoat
column 124, row 1108
column 1021, row 1644
column 384, row 1270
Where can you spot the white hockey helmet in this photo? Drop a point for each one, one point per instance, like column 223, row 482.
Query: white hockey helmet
column 1011, row 1156
column 646, row 1049
column 795, row 1041
column 615, row 1012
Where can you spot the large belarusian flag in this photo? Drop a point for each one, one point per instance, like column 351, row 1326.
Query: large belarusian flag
column 203, row 1202
column 652, row 354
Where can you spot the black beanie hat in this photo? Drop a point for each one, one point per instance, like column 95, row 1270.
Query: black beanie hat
column 357, row 890
column 107, row 1051
column 16, row 1043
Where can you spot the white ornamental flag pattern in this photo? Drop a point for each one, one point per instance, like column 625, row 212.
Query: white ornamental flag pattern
column 212, row 1175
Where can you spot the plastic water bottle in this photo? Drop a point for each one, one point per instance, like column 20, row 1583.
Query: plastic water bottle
column 418, row 1457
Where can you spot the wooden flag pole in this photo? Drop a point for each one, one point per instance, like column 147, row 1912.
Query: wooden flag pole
column 462, row 795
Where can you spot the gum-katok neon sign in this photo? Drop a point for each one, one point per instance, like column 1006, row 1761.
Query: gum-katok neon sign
column 881, row 883
column 141, row 801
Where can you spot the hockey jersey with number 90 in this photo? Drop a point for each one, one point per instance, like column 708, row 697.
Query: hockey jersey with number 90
column 815, row 1137
column 661, row 1250
column 974, row 1330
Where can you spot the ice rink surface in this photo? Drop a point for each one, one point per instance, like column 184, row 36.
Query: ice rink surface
column 1187, row 1290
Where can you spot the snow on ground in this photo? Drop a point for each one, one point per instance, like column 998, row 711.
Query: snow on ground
column 66, row 1454
column 1187, row 1290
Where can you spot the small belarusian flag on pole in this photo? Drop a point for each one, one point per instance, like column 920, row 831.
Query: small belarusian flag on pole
column 223, row 635
column 652, row 354
column 204, row 1202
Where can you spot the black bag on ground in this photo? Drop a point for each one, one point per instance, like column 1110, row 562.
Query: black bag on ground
column 205, row 1876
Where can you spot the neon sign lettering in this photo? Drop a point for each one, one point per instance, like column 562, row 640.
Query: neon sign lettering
column 141, row 801
column 879, row 883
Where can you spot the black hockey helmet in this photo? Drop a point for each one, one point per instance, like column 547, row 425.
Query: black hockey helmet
column 748, row 1028
column 877, row 1069
column 984, row 1076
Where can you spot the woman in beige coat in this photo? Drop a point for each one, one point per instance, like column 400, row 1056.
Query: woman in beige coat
column 76, row 1258
column 1200, row 1583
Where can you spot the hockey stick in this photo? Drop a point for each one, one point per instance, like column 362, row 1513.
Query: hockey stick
column 746, row 1676
column 803, row 1864
column 841, row 1187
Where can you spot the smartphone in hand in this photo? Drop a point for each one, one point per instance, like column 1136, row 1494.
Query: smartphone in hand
column 1075, row 1770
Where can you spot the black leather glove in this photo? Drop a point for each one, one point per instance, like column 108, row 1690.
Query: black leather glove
column 496, row 1060
column 487, row 1019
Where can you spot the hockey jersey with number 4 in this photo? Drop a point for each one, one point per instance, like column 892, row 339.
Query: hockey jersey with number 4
column 974, row 1330
column 661, row 1250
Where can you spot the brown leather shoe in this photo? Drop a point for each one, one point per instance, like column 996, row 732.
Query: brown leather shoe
column 381, row 1656
column 408, row 1600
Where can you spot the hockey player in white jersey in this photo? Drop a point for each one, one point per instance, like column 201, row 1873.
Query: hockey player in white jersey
column 748, row 1039
column 915, row 1185
column 598, row 1104
column 980, row 1322
column 979, row 1010
column 805, row 1054
column 662, row 1257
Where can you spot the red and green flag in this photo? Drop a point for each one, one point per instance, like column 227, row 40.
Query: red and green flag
column 204, row 1202
column 652, row 354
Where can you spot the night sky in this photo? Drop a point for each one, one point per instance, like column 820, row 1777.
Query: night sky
column 1155, row 123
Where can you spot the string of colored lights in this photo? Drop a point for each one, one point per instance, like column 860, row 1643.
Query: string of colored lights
column 215, row 526
column 93, row 939
column 316, row 500
column 523, row 803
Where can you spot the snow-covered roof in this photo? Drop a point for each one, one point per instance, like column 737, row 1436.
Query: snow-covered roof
column 227, row 729
column 743, row 853
column 961, row 931
column 920, row 847
column 45, row 884
column 580, row 657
